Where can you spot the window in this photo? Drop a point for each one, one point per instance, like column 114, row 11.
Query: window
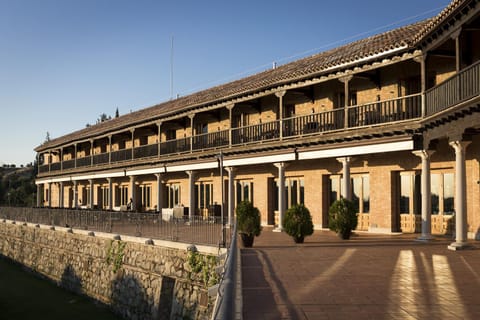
column 244, row 191
column 295, row 192
column 173, row 190
column 410, row 196
column 121, row 196
column 204, row 194
column 146, row 191
column 442, row 193
column 360, row 185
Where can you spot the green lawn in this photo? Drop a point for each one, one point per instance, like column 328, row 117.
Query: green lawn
column 25, row 296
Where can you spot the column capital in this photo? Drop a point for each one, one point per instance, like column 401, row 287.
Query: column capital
column 158, row 175
column 230, row 106
column 230, row 169
column 132, row 178
column 190, row 173
column 346, row 78
column 420, row 58
column 191, row 115
column 455, row 34
column 459, row 145
column 344, row 159
column 280, row 93
column 280, row 165
column 424, row 154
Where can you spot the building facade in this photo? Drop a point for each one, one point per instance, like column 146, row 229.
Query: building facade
column 391, row 121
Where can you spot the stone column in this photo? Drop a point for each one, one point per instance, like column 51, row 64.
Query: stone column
column 133, row 194
column 456, row 36
column 281, row 194
column 110, row 194
column 60, row 195
column 39, row 195
column 159, row 192
column 90, row 205
column 280, row 95
column 75, row 194
column 460, row 196
column 231, row 196
column 426, row 194
column 191, row 186
column 49, row 194
column 346, row 183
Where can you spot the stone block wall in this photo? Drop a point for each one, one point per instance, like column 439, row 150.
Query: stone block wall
column 138, row 281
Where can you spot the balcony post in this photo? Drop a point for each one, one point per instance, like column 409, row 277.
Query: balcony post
column 75, row 154
column 458, row 58
column 133, row 143
column 109, row 149
column 49, row 160
column 230, row 112
column 91, row 152
column 61, row 158
column 280, row 95
column 460, row 195
column 159, row 124
column 345, row 80
column 191, row 116
column 423, row 80
column 110, row 194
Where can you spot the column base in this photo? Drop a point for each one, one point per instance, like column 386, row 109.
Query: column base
column 425, row 237
column 277, row 229
column 454, row 246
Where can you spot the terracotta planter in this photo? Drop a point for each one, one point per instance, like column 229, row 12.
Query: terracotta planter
column 247, row 240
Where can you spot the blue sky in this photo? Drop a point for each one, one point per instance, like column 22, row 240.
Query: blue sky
column 65, row 62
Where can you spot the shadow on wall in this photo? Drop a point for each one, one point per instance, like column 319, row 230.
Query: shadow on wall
column 129, row 298
column 70, row 280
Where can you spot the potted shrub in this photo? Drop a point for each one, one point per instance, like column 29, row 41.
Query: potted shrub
column 248, row 222
column 343, row 217
column 298, row 223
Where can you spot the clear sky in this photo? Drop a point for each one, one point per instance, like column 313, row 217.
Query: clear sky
column 65, row 62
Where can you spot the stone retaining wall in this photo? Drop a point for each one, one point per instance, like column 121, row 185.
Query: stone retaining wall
column 138, row 280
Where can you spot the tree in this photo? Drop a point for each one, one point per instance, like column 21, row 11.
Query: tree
column 117, row 114
column 47, row 138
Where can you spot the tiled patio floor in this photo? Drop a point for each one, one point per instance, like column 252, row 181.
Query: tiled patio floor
column 367, row 277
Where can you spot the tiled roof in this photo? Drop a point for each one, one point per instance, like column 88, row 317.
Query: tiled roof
column 315, row 65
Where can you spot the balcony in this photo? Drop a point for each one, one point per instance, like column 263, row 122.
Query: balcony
column 458, row 88
column 461, row 87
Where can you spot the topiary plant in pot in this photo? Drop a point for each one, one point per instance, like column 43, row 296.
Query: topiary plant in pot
column 298, row 223
column 343, row 217
column 248, row 222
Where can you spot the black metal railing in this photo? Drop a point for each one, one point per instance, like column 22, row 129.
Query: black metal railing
column 84, row 162
column 68, row 164
column 460, row 87
column 196, row 229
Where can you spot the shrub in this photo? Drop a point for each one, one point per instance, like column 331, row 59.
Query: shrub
column 343, row 217
column 298, row 222
column 248, row 219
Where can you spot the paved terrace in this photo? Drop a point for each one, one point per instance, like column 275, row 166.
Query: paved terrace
column 367, row 277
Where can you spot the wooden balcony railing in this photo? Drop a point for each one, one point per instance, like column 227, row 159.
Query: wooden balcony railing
column 210, row 140
column 254, row 133
column 84, row 162
column 101, row 158
column 68, row 164
column 149, row 150
column 122, row 155
column 314, row 123
column 458, row 88
column 175, row 146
